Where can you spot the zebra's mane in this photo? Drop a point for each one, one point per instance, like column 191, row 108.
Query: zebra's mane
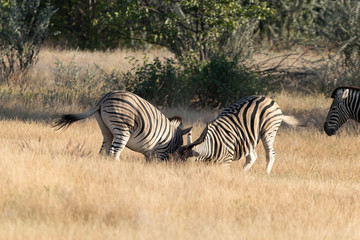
column 178, row 118
column 176, row 121
column 344, row 87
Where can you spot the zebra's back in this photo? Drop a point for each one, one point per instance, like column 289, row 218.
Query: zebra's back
column 241, row 125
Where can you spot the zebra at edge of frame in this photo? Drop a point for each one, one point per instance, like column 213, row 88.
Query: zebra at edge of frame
column 345, row 106
column 126, row 119
column 236, row 132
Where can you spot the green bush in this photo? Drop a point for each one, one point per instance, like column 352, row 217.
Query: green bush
column 222, row 82
column 23, row 28
column 159, row 82
column 215, row 84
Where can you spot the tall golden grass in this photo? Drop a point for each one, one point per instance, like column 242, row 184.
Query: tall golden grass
column 54, row 185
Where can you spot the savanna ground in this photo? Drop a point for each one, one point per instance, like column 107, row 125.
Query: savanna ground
column 54, row 185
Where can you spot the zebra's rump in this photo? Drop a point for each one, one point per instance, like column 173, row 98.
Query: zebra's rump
column 239, row 127
column 149, row 129
column 126, row 119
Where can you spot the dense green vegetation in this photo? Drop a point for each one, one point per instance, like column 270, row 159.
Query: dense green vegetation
column 210, row 40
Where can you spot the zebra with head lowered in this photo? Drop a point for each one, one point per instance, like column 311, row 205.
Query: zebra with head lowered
column 346, row 105
column 236, row 132
column 126, row 119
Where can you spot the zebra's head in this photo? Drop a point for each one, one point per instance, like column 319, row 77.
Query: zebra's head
column 176, row 122
column 190, row 151
column 339, row 111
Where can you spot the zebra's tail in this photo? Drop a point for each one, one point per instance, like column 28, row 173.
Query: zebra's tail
column 66, row 120
column 292, row 121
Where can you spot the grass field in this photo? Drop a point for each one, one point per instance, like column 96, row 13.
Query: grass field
column 54, row 185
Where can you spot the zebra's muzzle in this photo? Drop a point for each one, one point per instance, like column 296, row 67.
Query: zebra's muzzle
column 329, row 131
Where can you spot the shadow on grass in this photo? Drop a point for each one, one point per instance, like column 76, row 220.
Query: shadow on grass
column 26, row 114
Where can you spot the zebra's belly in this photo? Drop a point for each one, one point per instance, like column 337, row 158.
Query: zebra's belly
column 141, row 145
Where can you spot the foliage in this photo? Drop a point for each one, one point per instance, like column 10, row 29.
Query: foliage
column 215, row 84
column 222, row 82
column 191, row 29
column 341, row 27
column 197, row 29
column 81, row 24
column 238, row 45
column 159, row 82
column 82, row 84
column 23, row 28
column 295, row 21
column 336, row 72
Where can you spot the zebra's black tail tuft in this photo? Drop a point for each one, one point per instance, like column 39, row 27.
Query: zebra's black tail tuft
column 66, row 120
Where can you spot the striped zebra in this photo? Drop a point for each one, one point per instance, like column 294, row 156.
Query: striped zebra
column 126, row 119
column 236, row 132
column 346, row 105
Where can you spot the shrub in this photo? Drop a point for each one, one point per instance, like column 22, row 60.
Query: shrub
column 215, row 84
column 222, row 82
column 83, row 85
column 159, row 82
column 23, row 28
column 341, row 27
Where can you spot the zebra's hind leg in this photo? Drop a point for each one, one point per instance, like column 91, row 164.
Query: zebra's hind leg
column 250, row 159
column 120, row 141
column 107, row 135
column 268, row 142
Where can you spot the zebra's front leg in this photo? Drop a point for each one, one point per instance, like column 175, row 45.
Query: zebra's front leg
column 120, row 141
column 250, row 160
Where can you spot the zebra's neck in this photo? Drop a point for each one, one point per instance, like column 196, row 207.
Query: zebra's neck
column 354, row 105
column 204, row 149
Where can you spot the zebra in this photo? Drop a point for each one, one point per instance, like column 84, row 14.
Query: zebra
column 236, row 131
column 346, row 105
column 126, row 119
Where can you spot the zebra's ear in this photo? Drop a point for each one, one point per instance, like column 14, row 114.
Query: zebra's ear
column 186, row 131
column 345, row 94
column 176, row 121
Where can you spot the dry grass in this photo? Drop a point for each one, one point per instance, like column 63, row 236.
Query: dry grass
column 108, row 61
column 55, row 186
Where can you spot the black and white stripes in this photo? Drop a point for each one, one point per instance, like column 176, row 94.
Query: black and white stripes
column 125, row 119
column 236, row 132
column 346, row 105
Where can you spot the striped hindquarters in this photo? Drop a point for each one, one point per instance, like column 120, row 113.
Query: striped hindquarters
column 145, row 128
column 238, row 128
column 126, row 119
